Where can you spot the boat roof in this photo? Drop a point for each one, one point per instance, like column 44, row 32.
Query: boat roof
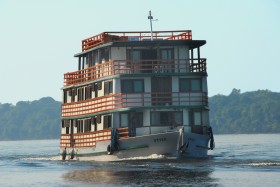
column 191, row 43
column 139, row 38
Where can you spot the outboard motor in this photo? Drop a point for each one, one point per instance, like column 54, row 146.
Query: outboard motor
column 64, row 154
column 114, row 146
column 212, row 143
column 72, row 154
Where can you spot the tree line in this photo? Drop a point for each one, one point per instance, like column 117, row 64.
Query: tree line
column 249, row 112
column 38, row 119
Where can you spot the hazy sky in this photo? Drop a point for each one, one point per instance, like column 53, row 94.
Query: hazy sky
column 39, row 38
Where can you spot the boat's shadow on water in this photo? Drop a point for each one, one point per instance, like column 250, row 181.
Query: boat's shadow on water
column 159, row 172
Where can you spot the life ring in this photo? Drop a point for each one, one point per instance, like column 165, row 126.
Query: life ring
column 109, row 150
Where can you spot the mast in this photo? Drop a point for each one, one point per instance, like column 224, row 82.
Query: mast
column 150, row 17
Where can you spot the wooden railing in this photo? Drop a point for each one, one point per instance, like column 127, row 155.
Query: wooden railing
column 106, row 37
column 89, row 139
column 123, row 133
column 131, row 100
column 117, row 67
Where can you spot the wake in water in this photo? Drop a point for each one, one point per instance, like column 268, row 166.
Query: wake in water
column 150, row 157
column 105, row 158
column 53, row 158
column 260, row 164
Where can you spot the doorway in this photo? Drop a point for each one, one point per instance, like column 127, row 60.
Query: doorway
column 149, row 57
column 161, row 91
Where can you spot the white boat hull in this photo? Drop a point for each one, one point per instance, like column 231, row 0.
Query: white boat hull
column 169, row 144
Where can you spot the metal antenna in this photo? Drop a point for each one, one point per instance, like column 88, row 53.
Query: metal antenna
column 150, row 17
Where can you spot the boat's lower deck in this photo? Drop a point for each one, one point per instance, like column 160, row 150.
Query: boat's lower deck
column 171, row 144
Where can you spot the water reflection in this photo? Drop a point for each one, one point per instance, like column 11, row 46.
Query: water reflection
column 146, row 174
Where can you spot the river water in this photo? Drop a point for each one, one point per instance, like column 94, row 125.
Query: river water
column 238, row 160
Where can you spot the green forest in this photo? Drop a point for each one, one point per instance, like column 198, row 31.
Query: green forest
column 249, row 112
column 38, row 119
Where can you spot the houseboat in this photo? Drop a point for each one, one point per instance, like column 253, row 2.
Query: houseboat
column 136, row 94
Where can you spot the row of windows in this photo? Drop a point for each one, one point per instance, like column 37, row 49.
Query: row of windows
column 137, row 85
column 85, row 125
column 159, row 118
column 134, row 120
column 127, row 86
column 85, row 93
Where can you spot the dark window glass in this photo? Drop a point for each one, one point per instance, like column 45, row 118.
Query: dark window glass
column 132, row 86
column 190, row 85
column 108, row 87
column 166, row 118
column 81, row 94
column 104, row 54
column 107, row 121
column 87, row 125
column 88, row 93
column 138, row 85
column 65, row 96
column 80, row 126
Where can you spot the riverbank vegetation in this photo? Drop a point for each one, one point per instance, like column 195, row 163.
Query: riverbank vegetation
column 249, row 112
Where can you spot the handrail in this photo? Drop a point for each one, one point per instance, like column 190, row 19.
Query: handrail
column 89, row 139
column 131, row 100
column 106, row 37
column 117, row 67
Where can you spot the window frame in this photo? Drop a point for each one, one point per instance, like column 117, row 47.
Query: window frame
column 192, row 118
column 132, row 82
column 87, row 125
column 189, row 87
column 107, row 121
column 163, row 113
column 108, row 87
column 88, row 92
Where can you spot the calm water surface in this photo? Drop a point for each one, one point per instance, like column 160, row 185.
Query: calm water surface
column 238, row 160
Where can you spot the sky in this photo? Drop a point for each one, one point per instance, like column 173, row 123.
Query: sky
column 38, row 39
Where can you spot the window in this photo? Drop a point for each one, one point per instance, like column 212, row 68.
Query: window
column 65, row 123
column 166, row 118
column 138, row 85
column 73, row 94
column 124, row 119
column 98, row 119
column 108, row 87
column 94, row 122
column 195, row 117
column 96, row 87
column 196, row 85
column 133, row 54
column 88, row 92
column 87, row 125
column 107, row 121
column 131, row 119
column 190, row 85
column 167, row 61
column 166, row 54
column 65, row 96
column 80, row 94
column 132, row 86
column 104, row 54
column 80, row 126
column 99, row 85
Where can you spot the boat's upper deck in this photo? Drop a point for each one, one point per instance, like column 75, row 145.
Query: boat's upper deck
column 106, row 37
column 117, row 53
